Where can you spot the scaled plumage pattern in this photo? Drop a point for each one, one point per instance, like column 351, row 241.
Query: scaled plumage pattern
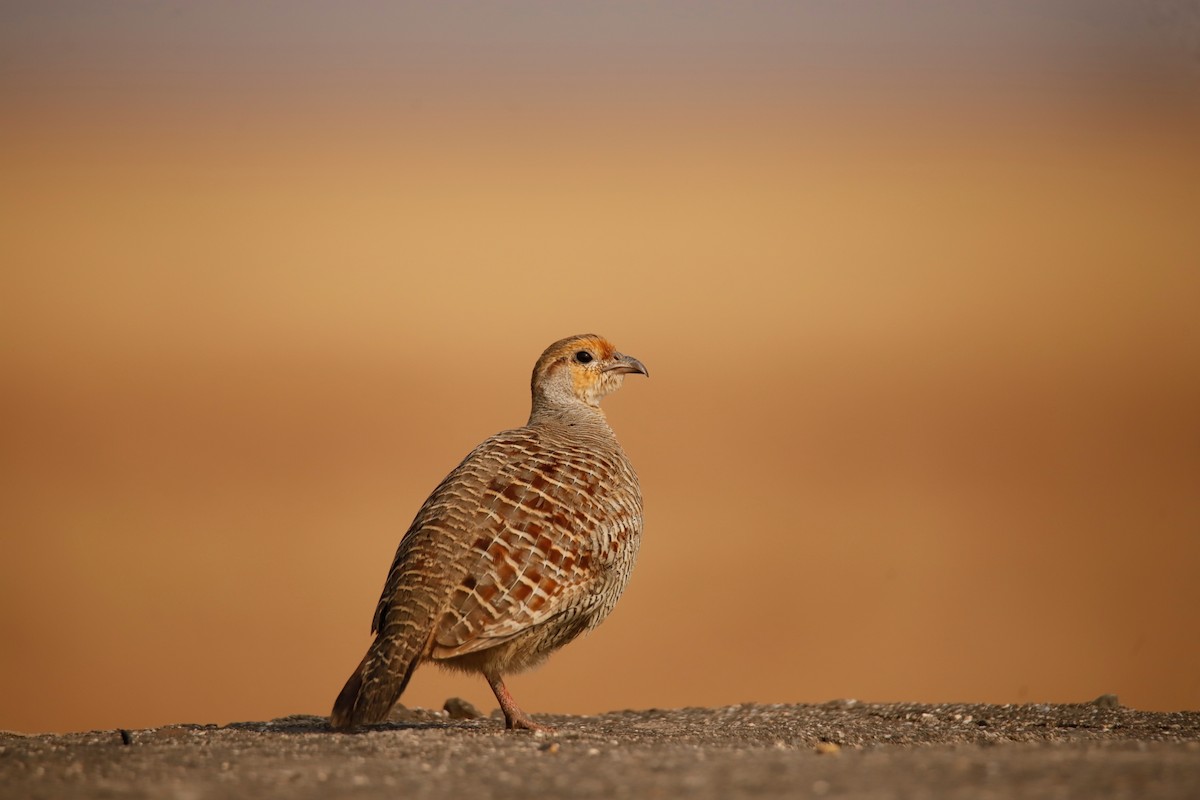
column 524, row 546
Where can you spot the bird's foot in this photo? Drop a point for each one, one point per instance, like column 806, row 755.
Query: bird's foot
column 514, row 718
column 523, row 722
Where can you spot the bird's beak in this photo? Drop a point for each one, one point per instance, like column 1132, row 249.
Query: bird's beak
column 623, row 364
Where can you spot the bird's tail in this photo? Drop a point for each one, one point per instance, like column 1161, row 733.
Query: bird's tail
column 375, row 685
column 342, row 716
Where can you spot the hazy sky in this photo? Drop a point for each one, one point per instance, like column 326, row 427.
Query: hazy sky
column 365, row 39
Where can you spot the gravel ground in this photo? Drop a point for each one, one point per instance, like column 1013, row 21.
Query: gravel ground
column 839, row 749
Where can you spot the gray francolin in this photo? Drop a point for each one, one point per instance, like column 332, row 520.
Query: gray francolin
column 525, row 545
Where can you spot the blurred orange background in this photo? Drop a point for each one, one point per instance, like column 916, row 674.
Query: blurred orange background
column 925, row 352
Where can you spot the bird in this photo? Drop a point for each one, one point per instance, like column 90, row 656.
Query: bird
column 524, row 546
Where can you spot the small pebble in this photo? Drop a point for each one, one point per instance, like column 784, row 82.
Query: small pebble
column 457, row 708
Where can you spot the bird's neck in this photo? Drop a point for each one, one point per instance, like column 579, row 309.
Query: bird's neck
column 569, row 415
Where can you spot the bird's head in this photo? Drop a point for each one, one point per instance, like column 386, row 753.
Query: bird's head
column 580, row 369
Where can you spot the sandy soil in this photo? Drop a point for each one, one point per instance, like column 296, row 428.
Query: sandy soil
column 839, row 749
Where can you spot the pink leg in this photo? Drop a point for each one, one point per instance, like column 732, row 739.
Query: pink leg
column 514, row 717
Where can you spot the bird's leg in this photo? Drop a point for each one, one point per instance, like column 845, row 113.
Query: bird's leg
column 514, row 717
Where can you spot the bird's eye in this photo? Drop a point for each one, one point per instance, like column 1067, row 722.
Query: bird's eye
column 583, row 357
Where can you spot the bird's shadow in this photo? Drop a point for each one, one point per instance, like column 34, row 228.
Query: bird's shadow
column 308, row 723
